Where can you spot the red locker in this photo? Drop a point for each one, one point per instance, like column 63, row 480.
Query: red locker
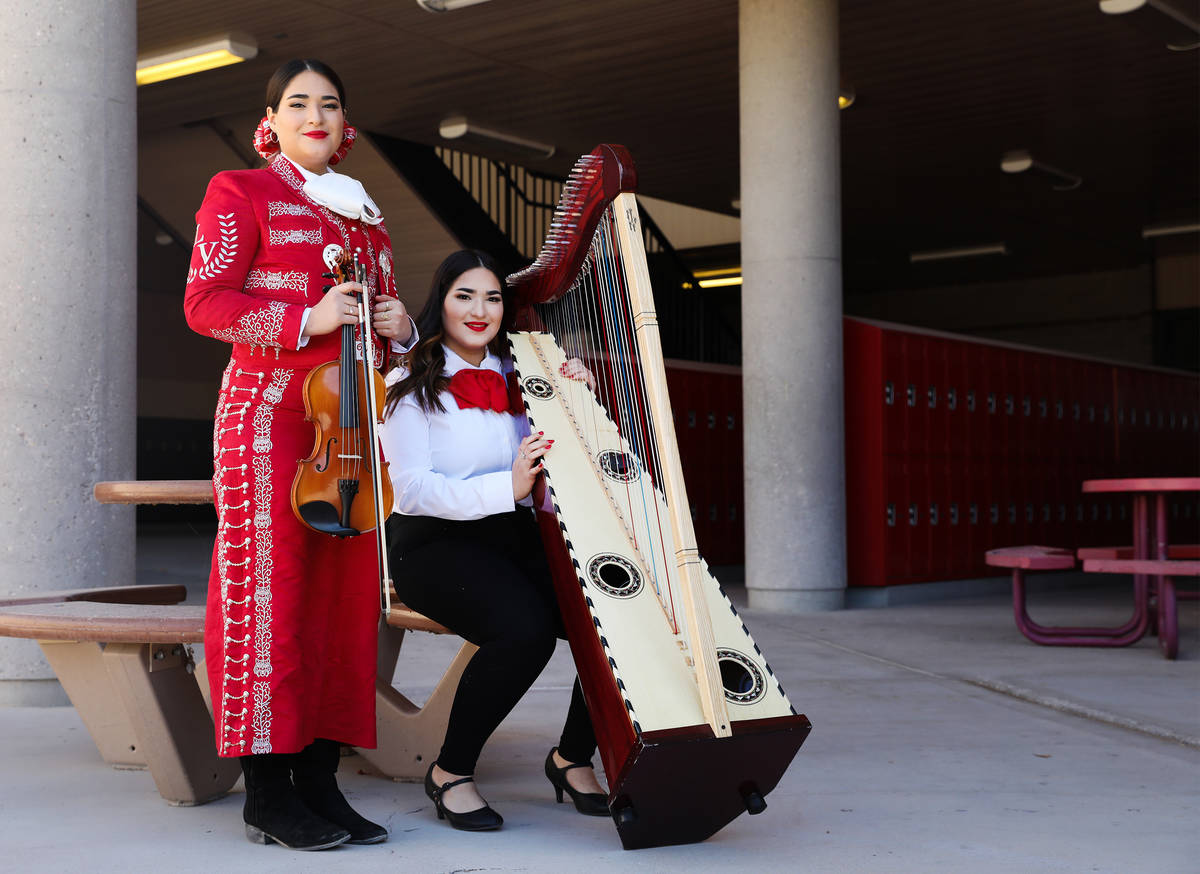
column 1002, row 405
column 940, row 540
column 895, row 380
column 983, row 513
column 1023, row 421
column 957, row 385
column 933, row 397
column 898, row 534
column 915, row 406
column 920, row 558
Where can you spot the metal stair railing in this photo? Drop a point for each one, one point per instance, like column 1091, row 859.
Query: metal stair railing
column 521, row 203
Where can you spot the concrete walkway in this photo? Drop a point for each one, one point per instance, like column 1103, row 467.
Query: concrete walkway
column 943, row 741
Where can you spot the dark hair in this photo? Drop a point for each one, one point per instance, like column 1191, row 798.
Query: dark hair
column 293, row 68
column 427, row 360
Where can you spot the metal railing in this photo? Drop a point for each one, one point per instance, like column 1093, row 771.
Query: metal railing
column 521, row 203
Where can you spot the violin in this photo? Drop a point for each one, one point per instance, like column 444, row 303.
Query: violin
column 342, row 488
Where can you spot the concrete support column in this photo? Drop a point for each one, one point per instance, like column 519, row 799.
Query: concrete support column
column 792, row 305
column 68, row 291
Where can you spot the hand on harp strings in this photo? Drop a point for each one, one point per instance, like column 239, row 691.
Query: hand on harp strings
column 574, row 368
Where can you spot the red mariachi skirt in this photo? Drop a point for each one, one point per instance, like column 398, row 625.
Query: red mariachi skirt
column 291, row 625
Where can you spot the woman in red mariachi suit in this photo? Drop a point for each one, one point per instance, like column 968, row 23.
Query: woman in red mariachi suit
column 290, row 633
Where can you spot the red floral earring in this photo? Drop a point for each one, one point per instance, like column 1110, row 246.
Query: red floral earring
column 349, row 135
column 265, row 141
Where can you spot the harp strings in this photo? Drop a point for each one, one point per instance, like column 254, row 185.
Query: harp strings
column 594, row 322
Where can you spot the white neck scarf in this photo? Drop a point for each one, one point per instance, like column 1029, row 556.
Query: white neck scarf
column 342, row 195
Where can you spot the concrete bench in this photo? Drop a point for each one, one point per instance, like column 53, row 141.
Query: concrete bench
column 170, row 593
column 123, row 657
column 129, row 671
column 81, row 675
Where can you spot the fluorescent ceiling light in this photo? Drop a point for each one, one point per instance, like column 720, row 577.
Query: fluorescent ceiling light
column 195, row 59
column 719, row 277
column 961, row 252
column 457, row 126
column 446, row 5
column 721, row 282
column 1167, row 230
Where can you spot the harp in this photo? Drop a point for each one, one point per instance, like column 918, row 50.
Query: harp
column 692, row 724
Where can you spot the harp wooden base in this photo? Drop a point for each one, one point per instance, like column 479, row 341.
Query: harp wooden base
column 653, row 801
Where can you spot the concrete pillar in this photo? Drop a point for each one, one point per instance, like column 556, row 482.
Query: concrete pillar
column 792, row 305
column 68, row 291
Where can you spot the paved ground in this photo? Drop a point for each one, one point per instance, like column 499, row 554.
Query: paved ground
column 943, row 741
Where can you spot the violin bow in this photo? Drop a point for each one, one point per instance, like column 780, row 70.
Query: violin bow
column 364, row 319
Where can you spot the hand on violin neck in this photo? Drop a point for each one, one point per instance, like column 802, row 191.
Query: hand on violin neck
column 338, row 307
column 390, row 319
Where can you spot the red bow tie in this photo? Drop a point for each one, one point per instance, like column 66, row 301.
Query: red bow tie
column 485, row 390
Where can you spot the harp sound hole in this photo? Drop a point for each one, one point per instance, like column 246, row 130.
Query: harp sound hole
column 740, row 676
column 539, row 388
column 615, row 576
column 620, row 466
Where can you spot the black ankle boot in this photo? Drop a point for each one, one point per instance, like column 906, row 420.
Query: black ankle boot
column 314, row 769
column 274, row 812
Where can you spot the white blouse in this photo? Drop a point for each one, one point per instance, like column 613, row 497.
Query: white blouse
column 456, row 464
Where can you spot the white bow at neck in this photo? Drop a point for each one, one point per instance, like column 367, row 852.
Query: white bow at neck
column 343, row 195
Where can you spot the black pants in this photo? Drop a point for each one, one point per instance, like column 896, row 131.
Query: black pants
column 487, row 580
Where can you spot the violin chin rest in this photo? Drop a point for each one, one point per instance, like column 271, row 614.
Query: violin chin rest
column 323, row 516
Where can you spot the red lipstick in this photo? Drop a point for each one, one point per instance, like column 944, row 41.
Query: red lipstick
column 316, row 134
column 477, row 327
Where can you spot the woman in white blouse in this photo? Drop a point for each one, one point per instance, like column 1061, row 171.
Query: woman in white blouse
column 464, row 546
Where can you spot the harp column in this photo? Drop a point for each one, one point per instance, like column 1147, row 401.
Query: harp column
column 792, row 305
column 69, row 294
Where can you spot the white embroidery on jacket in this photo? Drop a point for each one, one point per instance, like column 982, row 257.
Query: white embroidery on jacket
column 262, row 718
column 296, row 280
column 262, row 326
column 282, row 207
column 280, row 238
column 264, row 561
column 232, row 573
column 279, row 381
column 226, row 249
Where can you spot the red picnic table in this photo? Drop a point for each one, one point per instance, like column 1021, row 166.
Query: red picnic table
column 1153, row 562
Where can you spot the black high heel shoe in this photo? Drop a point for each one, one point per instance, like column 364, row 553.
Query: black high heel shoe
column 482, row 820
column 588, row 803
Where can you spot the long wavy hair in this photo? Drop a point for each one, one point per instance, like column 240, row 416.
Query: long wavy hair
column 428, row 359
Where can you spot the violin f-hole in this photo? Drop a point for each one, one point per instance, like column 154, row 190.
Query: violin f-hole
column 323, row 465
